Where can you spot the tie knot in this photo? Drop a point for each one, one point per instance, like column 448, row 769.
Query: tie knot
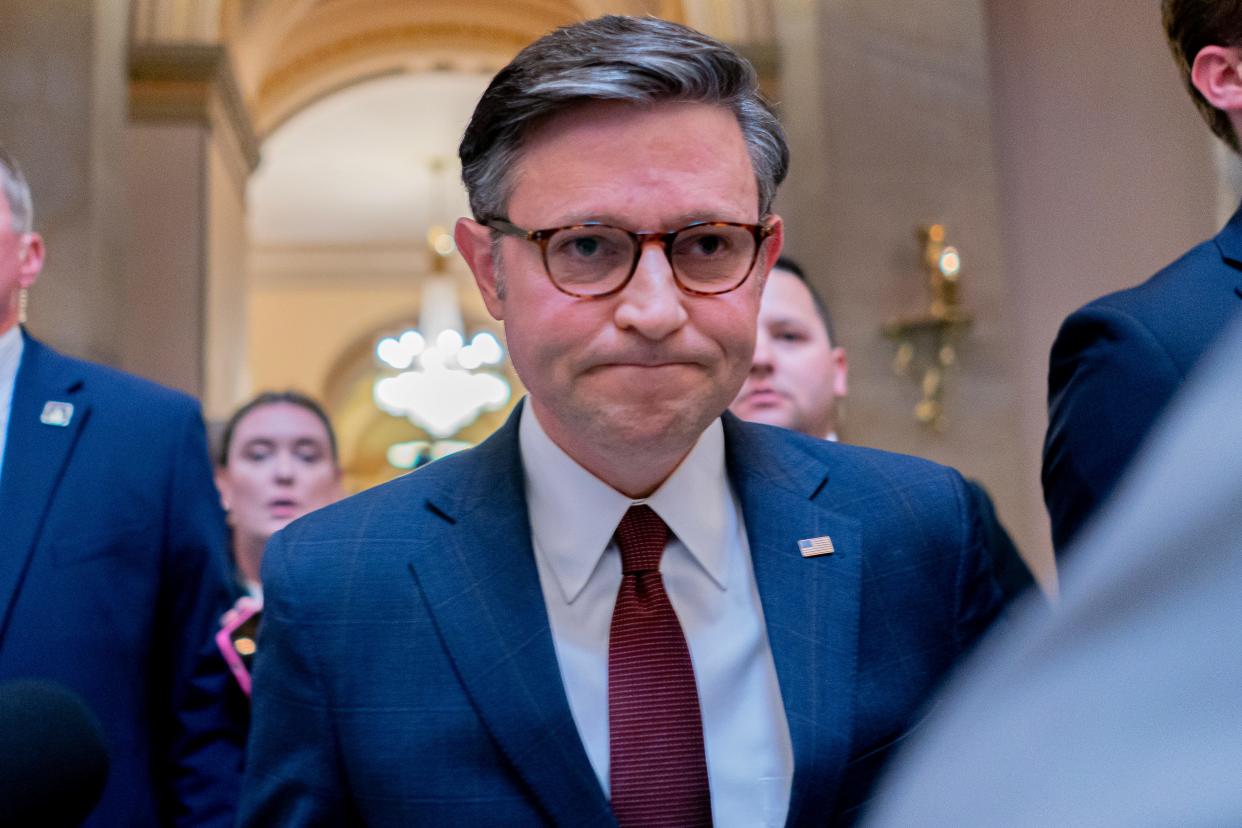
column 641, row 536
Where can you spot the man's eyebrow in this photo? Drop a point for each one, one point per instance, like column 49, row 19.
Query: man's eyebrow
column 675, row 223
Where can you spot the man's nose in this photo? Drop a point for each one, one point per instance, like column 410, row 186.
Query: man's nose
column 761, row 362
column 651, row 304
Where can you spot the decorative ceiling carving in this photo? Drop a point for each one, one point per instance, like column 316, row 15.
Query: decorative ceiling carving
column 289, row 53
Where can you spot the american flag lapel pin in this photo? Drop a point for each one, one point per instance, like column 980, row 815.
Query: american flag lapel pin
column 814, row 547
column 56, row 413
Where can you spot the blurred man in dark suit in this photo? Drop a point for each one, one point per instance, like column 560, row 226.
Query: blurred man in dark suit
column 112, row 558
column 799, row 374
column 1118, row 361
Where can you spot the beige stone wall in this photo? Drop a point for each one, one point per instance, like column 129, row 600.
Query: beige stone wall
column 298, row 330
column 1107, row 173
column 62, row 92
column 1056, row 144
column 887, row 105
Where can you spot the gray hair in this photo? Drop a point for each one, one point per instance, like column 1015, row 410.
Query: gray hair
column 16, row 193
column 613, row 58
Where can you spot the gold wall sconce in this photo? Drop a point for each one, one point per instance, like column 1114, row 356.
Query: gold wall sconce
column 927, row 342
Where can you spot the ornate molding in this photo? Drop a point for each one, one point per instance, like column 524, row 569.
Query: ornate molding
column 196, row 83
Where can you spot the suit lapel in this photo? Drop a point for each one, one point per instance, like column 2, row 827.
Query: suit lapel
column 488, row 607
column 810, row 606
column 35, row 458
column 1229, row 240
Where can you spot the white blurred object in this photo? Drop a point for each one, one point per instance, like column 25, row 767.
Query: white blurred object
column 447, row 391
column 1124, row 706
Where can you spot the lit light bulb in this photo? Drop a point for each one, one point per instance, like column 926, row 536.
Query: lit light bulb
column 390, row 351
column 449, row 342
column 488, row 349
column 413, row 343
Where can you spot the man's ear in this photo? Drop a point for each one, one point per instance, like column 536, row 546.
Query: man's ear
column 30, row 259
column 840, row 377
column 772, row 247
column 1218, row 77
column 474, row 242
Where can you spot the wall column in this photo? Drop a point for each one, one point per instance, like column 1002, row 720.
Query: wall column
column 190, row 152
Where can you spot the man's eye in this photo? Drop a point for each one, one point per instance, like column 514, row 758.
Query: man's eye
column 790, row 336
column 588, row 246
column 705, row 245
column 584, row 247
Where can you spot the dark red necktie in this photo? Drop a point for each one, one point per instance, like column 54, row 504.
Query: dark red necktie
column 658, row 771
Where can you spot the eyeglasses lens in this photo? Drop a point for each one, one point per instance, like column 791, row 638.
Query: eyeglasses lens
column 598, row 259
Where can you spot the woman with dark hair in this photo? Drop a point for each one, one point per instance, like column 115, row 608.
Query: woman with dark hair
column 278, row 461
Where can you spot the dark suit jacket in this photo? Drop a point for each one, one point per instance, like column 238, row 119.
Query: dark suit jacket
column 112, row 579
column 406, row 672
column 1012, row 573
column 1118, row 361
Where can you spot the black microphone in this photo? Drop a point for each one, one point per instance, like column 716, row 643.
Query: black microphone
column 53, row 762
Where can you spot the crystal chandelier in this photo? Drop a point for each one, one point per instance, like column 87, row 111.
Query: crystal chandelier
column 443, row 383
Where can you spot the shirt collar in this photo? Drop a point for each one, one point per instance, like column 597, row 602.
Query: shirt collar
column 573, row 513
column 10, row 352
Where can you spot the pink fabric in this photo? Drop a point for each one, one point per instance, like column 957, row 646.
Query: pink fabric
column 658, row 769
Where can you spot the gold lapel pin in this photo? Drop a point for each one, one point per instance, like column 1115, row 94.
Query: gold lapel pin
column 56, row 413
column 814, row 547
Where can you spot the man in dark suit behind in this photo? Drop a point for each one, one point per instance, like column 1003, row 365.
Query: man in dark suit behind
column 112, row 559
column 625, row 607
column 799, row 375
column 1118, row 361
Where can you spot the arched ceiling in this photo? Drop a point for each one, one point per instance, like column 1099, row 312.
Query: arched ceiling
column 289, row 53
column 356, row 167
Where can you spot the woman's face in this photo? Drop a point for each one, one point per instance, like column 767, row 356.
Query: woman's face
column 279, row 468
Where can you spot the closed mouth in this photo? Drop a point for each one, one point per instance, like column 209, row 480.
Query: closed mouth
column 763, row 394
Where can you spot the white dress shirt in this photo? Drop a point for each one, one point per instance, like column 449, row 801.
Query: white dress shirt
column 710, row 581
column 11, row 347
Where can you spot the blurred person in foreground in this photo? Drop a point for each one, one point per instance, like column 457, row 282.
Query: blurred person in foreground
column 112, row 558
column 1118, row 361
column 1121, row 708
column 623, row 608
column 278, row 461
column 799, row 375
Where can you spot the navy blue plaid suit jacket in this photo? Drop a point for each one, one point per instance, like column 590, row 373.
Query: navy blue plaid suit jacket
column 406, row 673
